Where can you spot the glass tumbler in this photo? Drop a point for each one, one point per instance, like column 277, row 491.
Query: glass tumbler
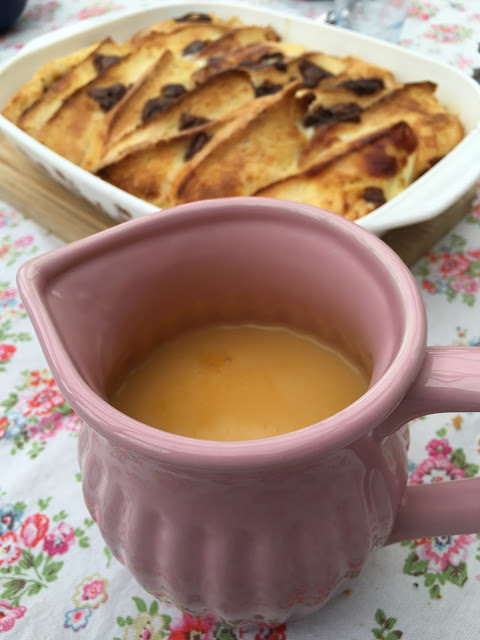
column 382, row 19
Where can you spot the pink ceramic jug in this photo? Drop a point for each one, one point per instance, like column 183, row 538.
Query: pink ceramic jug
column 264, row 529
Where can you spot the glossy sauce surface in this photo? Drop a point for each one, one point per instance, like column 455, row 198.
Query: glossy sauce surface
column 239, row 382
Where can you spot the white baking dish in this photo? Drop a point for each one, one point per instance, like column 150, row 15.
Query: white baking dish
column 429, row 196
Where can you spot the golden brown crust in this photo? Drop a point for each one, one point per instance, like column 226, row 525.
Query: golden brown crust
column 41, row 81
column 356, row 181
column 200, row 107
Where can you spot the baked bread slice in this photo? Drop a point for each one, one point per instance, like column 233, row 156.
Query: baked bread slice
column 355, row 182
column 199, row 107
column 263, row 146
column 41, row 81
column 215, row 98
column 81, row 119
column 103, row 56
column 416, row 104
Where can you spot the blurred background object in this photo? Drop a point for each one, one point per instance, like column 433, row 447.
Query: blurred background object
column 10, row 11
column 378, row 18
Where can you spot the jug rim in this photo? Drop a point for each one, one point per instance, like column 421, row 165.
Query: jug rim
column 334, row 432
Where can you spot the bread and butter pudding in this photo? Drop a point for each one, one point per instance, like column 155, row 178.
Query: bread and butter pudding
column 200, row 107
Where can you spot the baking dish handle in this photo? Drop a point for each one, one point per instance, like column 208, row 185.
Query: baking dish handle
column 443, row 185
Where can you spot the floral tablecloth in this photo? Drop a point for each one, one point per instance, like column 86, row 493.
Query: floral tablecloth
column 57, row 578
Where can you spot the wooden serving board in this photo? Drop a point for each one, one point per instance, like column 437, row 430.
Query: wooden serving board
column 28, row 189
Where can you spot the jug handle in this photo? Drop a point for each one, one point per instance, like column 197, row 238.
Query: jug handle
column 449, row 380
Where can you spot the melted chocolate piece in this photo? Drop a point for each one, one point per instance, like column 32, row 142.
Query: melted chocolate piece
column 363, row 86
column 194, row 17
column 194, row 47
column 381, row 164
column 102, row 63
column 107, row 97
column 375, row 195
column 173, row 90
column 337, row 113
column 197, row 143
column 476, row 74
column 267, row 88
column 312, row 74
column 154, row 106
column 188, row 120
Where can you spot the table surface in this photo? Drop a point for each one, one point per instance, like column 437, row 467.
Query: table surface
column 57, row 578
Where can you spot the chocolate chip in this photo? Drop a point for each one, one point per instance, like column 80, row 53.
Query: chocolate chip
column 249, row 64
column 267, row 88
column 363, row 86
column 102, row 63
column 194, row 47
column 375, row 195
column 107, row 97
column 380, row 164
column 173, row 90
column 188, row 120
column 476, row 74
column 280, row 65
column 337, row 113
column 312, row 74
column 194, row 17
column 154, row 106
column 197, row 143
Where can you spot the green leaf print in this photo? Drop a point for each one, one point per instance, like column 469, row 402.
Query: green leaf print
column 225, row 634
column 385, row 631
column 457, row 242
column 434, row 592
column 108, row 553
column 51, row 569
column 153, row 609
column 13, row 587
column 468, row 299
column 43, row 504
column 34, row 588
column 413, row 566
column 380, row 617
column 27, row 560
column 141, row 606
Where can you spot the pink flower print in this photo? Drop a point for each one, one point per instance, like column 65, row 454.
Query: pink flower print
column 91, row 591
column 23, row 242
column 9, row 550
column 191, row 627
column 77, row 619
column 3, row 427
column 72, row 423
column 9, row 614
column 467, row 284
column 45, row 398
column 3, row 250
column 48, row 426
column 442, row 551
column 474, row 254
column 59, row 540
column 6, row 351
column 429, row 286
column 454, row 265
column 34, row 529
column 436, row 469
column 440, row 447
column 95, row 10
